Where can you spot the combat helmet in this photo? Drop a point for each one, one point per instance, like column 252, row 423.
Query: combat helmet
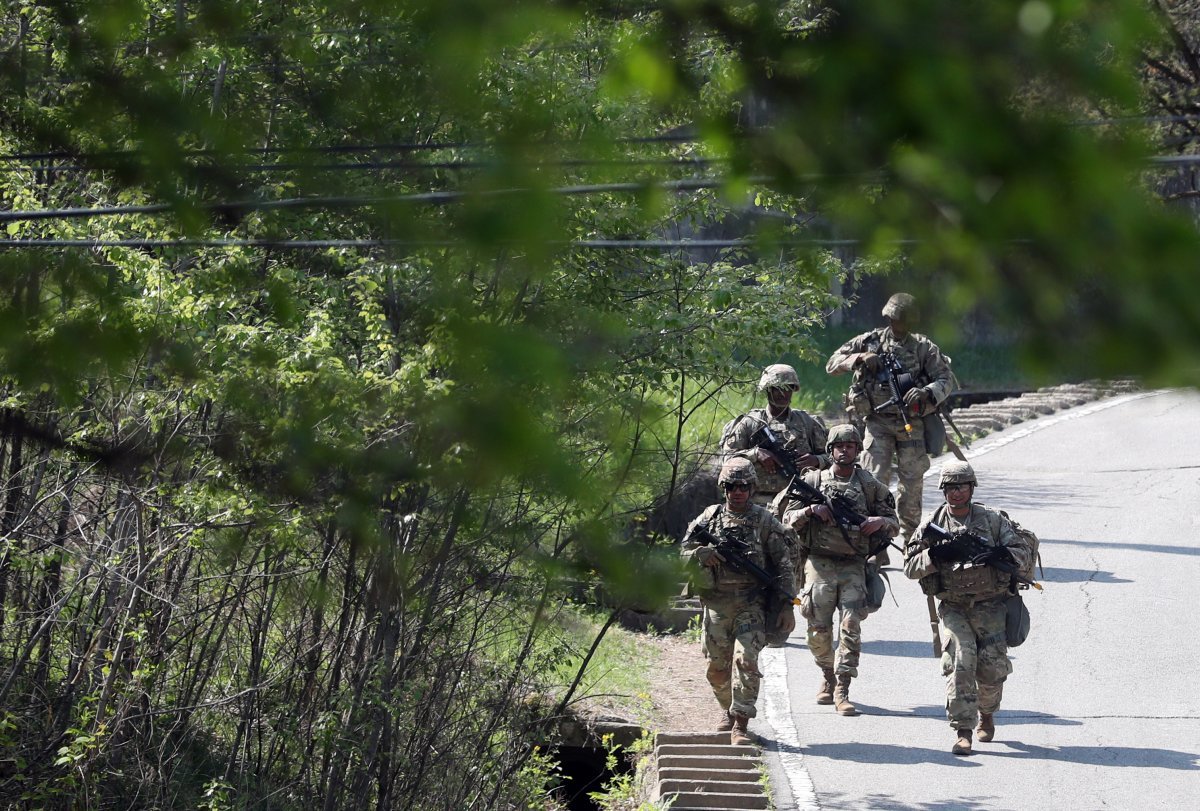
column 956, row 472
column 779, row 376
column 901, row 307
column 843, row 433
column 737, row 471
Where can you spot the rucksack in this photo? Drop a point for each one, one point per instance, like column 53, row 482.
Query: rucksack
column 1031, row 539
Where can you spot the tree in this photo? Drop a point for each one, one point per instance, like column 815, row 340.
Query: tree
column 349, row 377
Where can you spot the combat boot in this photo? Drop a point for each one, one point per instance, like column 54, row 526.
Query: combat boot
column 740, row 736
column 825, row 693
column 962, row 746
column 987, row 728
column 724, row 721
column 841, row 696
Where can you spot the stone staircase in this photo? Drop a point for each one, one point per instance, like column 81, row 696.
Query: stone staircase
column 982, row 418
column 702, row 770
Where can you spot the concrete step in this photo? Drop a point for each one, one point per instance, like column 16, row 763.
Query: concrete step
column 720, row 775
column 710, row 801
column 666, row 738
column 707, row 762
column 666, row 787
column 706, row 749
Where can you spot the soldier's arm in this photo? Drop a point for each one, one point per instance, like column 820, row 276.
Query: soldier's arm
column 796, row 517
column 736, row 442
column 883, row 505
column 690, row 544
column 844, row 358
column 737, row 438
column 936, row 370
column 917, row 562
column 818, row 438
column 780, row 505
column 780, row 553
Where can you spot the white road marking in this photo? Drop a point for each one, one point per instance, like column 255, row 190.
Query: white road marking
column 777, row 707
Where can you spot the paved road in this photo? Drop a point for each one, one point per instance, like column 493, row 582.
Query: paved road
column 1103, row 707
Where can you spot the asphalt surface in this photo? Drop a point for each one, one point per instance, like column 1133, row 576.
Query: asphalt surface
column 1103, row 707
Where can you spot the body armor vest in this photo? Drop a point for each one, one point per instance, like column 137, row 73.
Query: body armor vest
column 827, row 540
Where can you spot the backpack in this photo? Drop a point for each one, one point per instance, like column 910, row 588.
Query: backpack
column 1031, row 539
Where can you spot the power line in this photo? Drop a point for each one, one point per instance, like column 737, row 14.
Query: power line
column 416, row 165
column 299, row 203
column 415, row 146
column 316, row 244
column 1176, row 160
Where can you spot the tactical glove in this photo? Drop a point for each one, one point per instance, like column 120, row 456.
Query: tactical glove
column 916, row 398
column 869, row 360
column 945, row 553
column 996, row 555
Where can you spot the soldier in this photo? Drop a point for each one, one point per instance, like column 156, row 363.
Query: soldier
column 835, row 560
column 801, row 435
column 736, row 605
column 972, row 597
column 895, row 429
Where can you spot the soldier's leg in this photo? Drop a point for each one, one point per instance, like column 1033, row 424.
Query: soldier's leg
column 911, row 464
column 852, row 605
column 879, row 446
column 994, row 664
column 962, row 694
column 750, row 638
column 821, row 579
column 718, row 644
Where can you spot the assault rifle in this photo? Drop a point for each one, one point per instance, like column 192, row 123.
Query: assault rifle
column 900, row 382
column 735, row 553
column 841, row 508
column 844, row 514
column 967, row 547
column 765, row 438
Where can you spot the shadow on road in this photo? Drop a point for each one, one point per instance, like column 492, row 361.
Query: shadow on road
column 884, row 802
column 1055, row 574
column 1101, row 755
column 1161, row 548
column 1003, row 718
column 897, row 647
column 897, row 754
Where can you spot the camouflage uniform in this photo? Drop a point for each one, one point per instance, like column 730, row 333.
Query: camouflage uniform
column 886, row 436
column 735, row 605
column 799, row 432
column 971, row 607
column 834, row 573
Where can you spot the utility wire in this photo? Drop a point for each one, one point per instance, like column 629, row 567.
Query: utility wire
column 429, row 198
column 401, row 164
column 315, row 244
column 670, row 137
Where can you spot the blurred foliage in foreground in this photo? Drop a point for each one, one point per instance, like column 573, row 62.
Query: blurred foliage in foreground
column 335, row 336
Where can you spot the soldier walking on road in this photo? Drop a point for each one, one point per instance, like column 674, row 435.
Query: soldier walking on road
column 972, row 593
column 895, row 429
column 801, row 435
column 837, row 560
column 737, row 609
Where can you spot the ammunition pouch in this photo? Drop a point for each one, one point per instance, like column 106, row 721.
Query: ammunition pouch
column 776, row 605
column 703, row 580
column 1016, row 620
column 806, row 603
column 875, row 588
column 975, row 581
column 935, row 434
